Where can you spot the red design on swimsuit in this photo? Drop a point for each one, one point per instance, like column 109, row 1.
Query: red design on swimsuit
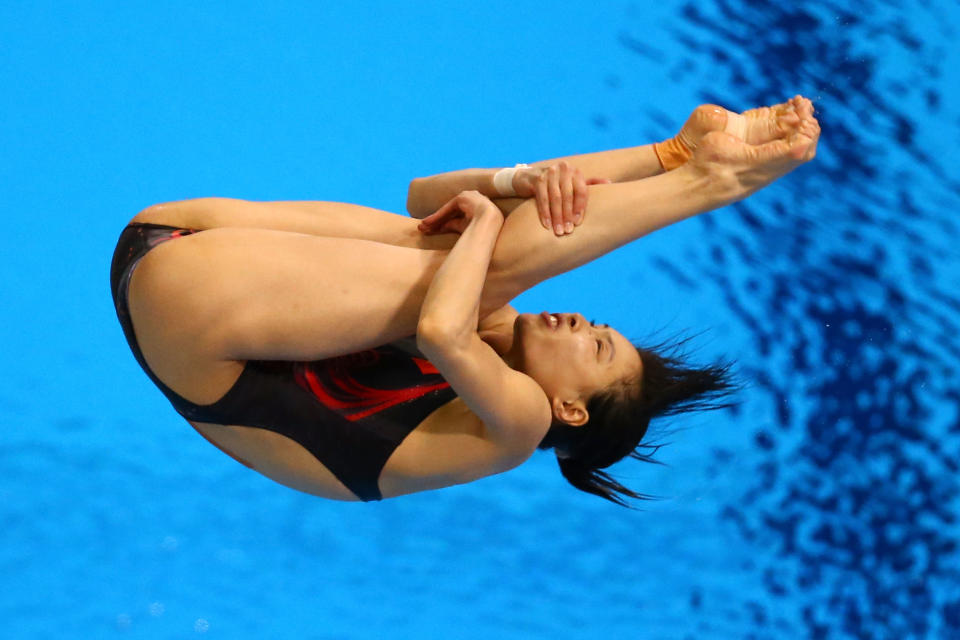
column 426, row 368
column 332, row 383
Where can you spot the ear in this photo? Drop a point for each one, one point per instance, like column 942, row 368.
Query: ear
column 571, row 412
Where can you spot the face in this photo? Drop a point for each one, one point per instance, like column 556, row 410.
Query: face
column 571, row 359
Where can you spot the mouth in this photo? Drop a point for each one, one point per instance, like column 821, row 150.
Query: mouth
column 550, row 320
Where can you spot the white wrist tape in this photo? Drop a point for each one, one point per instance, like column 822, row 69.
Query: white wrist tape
column 503, row 180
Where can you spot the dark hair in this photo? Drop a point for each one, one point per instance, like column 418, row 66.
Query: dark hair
column 621, row 414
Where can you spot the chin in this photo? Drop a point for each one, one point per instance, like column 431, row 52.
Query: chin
column 523, row 323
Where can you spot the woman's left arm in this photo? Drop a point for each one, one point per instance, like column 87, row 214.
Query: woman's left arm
column 512, row 406
column 451, row 305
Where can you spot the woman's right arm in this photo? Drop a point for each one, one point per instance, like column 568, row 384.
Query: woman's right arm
column 559, row 188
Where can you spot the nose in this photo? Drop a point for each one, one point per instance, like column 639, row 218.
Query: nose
column 574, row 320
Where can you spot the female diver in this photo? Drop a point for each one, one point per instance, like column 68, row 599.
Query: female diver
column 284, row 331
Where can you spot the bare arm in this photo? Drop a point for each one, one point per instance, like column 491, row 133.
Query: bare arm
column 268, row 308
column 620, row 165
column 512, row 407
column 426, row 195
column 450, row 307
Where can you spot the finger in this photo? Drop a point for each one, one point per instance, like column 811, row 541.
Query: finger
column 579, row 198
column 428, row 227
column 566, row 194
column 443, row 211
column 543, row 201
column 441, row 215
column 428, row 223
column 556, row 200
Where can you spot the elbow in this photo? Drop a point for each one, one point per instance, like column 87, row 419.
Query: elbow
column 437, row 336
column 431, row 336
column 414, row 192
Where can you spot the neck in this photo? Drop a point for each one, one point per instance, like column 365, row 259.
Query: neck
column 501, row 341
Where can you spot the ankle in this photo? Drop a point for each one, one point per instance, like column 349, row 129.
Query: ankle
column 672, row 153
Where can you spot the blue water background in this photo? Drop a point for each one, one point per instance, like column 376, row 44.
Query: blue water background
column 825, row 506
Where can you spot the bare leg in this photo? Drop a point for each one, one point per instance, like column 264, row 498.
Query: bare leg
column 616, row 215
column 263, row 294
column 204, row 303
column 272, row 283
column 328, row 219
column 339, row 220
column 756, row 126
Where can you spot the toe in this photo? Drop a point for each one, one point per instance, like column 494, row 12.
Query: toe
column 766, row 124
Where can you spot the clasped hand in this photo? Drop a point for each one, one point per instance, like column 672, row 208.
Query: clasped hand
column 561, row 193
column 455, row 216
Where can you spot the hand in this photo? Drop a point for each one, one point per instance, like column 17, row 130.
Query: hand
column 456, row 215
column 561, row 194
column 746, row 168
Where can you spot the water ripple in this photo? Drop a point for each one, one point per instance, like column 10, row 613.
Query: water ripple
column 846, row 277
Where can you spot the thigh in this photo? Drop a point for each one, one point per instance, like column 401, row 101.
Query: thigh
column 331, row 219
column 203, row 303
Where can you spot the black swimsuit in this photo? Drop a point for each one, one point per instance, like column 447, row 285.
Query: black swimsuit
column 351, row 412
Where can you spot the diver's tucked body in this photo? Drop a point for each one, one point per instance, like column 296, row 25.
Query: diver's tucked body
column 355, row 354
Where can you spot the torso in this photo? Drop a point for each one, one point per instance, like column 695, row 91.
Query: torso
column 445, row 448
column 288, row 463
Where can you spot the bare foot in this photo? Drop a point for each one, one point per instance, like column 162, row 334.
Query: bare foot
column 743, row 168
column 754, row 126
column 763, row 124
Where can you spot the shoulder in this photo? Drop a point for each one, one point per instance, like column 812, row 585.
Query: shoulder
column 512, row 406
column 450, row 447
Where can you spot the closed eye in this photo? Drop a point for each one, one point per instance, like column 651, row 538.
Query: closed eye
column 593, row 323
column 600, row 342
